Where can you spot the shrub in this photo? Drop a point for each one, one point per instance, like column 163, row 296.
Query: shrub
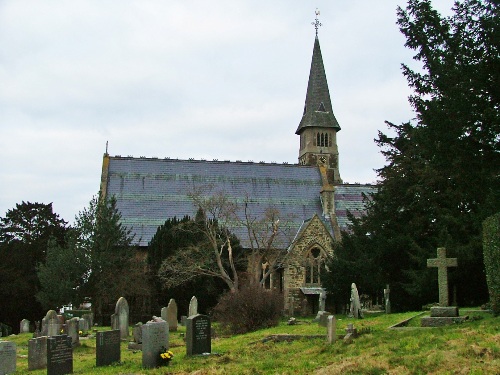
column 491, row 249
column 249, row 309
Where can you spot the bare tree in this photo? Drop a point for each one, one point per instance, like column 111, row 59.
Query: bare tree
column 219, row 217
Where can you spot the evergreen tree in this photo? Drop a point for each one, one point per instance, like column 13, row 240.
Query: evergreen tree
column 25, row 232
column 443, row 173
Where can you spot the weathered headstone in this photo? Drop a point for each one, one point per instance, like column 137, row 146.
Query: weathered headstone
column 154, row 340
column 387, row 292
column 83, row 325
column 138, row 333
column 331, row 327
column 59, row 355
column 51, row 325
column 7, row 357
column 121, row 317
column 193, row 307
column 89, row 318
column 355, row 308
column 107, row 348
column 183, row 320
column 442, row 263
column 72, row 330
column 171, row 315
column 322, row 300
column 24, row 326
column 198, row 335
column 37, row 353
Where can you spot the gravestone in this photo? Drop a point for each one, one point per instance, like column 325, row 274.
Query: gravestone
column 387, row 292
column 350, row 333
column 37, row 353
column 322, row 300
column 89, row 318
column 59, row 355
column 331, row 327
column 7, row 357
column 83, row 325
column 198, row 335
column 154, row 340
column 51, row 325
column 72, row 330
column 183, row 320
column 171, row 315
column 121, row 317
column 442, row 263
column 24, row 326
column 138, row 333
column 107, row 347
column 355, row 307
column 193, row 307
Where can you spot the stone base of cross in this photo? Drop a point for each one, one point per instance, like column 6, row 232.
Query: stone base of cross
column 442, row 263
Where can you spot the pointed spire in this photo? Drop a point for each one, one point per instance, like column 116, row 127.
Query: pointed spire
column 318, row 107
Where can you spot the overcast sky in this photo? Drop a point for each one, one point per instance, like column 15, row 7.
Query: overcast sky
column 185, row 79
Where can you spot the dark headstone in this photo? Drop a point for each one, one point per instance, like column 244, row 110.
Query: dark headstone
column 154, row 340
column 37, row 353
column 59, row 355
column 198, row 335
column 7, row 357
column 107, row 348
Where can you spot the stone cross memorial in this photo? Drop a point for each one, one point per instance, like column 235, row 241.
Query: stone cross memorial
column 198, row 335
column 59, row 355
column 7, row 357
column 442, row 263
column 107, row 348
column 37, row 353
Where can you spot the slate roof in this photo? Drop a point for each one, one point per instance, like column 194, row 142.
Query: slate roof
column 318, row 111
column 150, row 190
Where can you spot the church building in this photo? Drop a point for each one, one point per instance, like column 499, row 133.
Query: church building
column 310, row 195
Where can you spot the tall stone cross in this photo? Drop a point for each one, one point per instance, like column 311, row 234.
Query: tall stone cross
column 442, row 263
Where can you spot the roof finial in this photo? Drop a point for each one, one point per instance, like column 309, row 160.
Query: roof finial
column 316, row 22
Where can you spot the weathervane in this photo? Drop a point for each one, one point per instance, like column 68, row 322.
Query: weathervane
column 316, row 22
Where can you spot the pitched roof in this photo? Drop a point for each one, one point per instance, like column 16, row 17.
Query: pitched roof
column 318, row 110
column 149, row 191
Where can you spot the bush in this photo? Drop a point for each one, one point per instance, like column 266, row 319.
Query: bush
column 248, row 309
column 491, row 249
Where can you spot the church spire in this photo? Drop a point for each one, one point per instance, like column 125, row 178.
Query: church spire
column 318, row 127
column 318, row 107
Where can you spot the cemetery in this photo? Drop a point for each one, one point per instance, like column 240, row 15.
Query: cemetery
column 336, row 344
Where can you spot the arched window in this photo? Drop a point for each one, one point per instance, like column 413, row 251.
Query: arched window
column 318, row 140
column 315, row 260
column 326, row 140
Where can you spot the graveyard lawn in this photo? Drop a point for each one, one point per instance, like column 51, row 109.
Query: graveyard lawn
column 472, row 347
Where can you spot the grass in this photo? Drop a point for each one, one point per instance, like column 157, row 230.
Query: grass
column 469, row 348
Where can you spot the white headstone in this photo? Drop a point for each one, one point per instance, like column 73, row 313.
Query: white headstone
column 121, row 317
column 193, row 306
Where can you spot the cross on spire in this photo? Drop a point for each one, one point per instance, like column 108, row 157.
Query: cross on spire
column 316, row 22
column 442, row 263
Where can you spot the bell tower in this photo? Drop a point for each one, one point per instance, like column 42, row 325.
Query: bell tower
column 318, row 127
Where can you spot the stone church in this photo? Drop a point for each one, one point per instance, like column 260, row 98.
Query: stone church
column 309, row 194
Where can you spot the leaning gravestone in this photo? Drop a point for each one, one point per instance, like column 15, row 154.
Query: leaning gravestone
column 198, row 335
column 120, row 318
column 154, row 340
column 171, row 315
column 24, row 326
column 7, row 357
column 107, row 348
column 355, row 308
column 59, row 355
column 193, row 307
column 37, row 353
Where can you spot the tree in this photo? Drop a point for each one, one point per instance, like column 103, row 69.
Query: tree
column 25, row 232
column 442, row 177
column 216, row 255
column 99, row 261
